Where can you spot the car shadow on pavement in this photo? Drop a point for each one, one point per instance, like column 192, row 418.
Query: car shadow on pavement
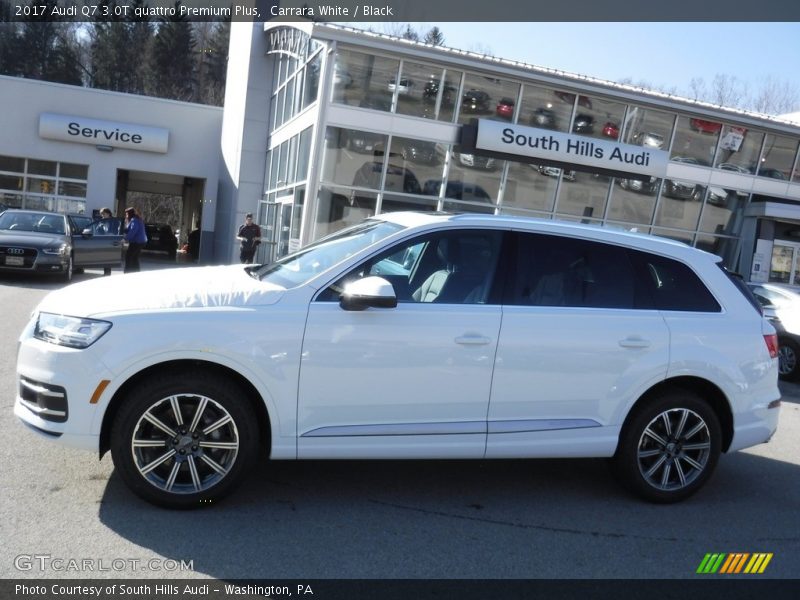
column 447, row 519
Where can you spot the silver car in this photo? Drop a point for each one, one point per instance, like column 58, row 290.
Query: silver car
column 47, row 242
column 781, row 305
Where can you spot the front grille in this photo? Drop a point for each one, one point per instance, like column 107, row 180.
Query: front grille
column 43, row 399
column 10, row 254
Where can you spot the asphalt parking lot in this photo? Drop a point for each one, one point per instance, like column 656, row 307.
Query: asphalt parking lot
column 503, row 519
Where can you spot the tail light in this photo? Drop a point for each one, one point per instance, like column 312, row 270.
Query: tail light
column 771, row 340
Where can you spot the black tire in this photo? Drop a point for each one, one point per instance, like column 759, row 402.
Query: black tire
column 194, row 467
column 66, row 275
column 106, row 271
column 656, row 459
column 788, row 360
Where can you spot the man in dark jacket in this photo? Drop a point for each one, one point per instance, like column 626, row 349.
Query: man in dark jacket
column 250, row 237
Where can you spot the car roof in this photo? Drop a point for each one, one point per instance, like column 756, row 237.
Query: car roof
column 638, row 240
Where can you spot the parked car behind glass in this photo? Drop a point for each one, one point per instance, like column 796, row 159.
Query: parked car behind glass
column 505, row 108
column 408, row 336
column 583, row 124
column 684, row 190
column 543, row 117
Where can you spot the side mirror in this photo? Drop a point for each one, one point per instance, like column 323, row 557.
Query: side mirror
column 87, row 233
column 368, row 292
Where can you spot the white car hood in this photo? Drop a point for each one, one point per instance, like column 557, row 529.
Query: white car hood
column 190, row 287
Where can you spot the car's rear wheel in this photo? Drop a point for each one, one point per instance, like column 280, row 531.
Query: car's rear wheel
column 184, row 440
column 669, row 447
column 106, row 271
column 788, row 360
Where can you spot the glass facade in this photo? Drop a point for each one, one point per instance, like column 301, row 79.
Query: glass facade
column 42, row 184
column 359, row 176
column 366, row 170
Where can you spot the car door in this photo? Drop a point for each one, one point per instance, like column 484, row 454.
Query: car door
column 577, row 346
column 410, row 381
column 101, row 247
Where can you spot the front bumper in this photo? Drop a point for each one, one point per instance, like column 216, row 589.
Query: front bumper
column 54, row 388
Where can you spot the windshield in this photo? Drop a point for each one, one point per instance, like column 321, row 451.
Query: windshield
column 38, row 222
column 300, row 267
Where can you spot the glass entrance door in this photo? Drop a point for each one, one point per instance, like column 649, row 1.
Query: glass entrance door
column 784, row 267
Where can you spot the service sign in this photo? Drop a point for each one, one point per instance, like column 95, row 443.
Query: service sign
column 548, row 145
column 103, row 133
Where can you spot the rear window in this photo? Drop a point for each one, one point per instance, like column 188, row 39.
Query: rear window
column 671, row 285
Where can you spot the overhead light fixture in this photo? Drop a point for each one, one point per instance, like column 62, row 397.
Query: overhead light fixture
column 104, row 148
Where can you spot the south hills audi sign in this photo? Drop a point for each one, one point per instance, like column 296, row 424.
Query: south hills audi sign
column 521, row 143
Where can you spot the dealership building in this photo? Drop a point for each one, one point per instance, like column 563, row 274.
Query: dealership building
column 325, row 125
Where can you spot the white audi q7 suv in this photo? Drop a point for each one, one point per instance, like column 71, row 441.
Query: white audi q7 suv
column 410, row 336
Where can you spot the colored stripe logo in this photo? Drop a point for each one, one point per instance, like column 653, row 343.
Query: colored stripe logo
column 734, row 563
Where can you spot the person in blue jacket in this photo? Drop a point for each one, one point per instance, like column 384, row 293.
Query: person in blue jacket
column 136, row 236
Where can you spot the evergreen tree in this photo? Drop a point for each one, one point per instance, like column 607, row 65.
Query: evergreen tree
column 434, row 36
column 410, row 34
column 215, row 64
column 109, row 51
column 119, row 49
column 172, row 65
column 140, row 42
column 9, row 43
column 47, row 49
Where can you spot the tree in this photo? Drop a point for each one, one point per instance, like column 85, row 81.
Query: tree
column 646, row 85
column 9, row 44
column 141, row 31
column 434, row 36
column 214, row 64
column 172, row 63
column 775, row 97
column 48, row 49
column 113, row 64
column 410, row 34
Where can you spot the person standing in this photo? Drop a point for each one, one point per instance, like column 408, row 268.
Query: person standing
column 136, row 236
column 250, row 237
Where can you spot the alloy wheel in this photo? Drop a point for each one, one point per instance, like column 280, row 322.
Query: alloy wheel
column 674, row 449
column 787, row 359
column 185, row 444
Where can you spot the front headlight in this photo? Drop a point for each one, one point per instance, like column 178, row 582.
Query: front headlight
column 59, row 250
column 73, row 332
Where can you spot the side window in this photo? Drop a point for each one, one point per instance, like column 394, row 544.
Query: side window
column 451, row 267
column 672, row 285
column 109, row 226
column 560, row 271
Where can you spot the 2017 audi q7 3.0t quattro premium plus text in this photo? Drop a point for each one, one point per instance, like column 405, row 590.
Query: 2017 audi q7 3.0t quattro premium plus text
column 410, row 336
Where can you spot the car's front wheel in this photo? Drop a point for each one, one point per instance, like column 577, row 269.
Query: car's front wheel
column 66, row 275
column 669, row 447
column 788, row 360
column 184, row 440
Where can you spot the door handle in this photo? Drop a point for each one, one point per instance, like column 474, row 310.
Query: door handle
column 634, row 342
column 473, row 340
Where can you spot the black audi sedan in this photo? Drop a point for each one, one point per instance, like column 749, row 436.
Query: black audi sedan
column 46, row 242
